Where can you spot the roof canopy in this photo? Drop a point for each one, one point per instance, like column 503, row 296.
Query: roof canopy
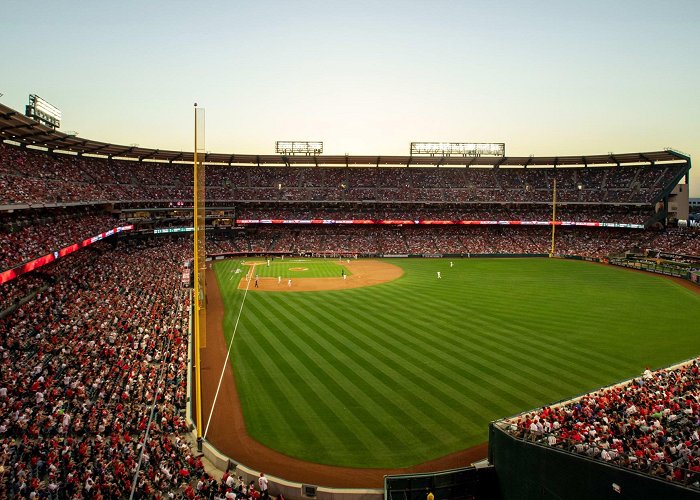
column 17, row 127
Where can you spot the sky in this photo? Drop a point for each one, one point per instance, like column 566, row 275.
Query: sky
column 365, row 77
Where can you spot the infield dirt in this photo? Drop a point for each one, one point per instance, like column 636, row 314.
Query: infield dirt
column 364, row 273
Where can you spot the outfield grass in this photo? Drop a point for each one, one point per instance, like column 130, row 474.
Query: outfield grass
column 400, row 373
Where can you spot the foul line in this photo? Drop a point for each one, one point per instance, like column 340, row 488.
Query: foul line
column 228, row 351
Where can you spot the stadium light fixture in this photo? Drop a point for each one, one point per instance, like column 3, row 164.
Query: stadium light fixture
column 308, row 148
column 469, row 149
column 43, row 112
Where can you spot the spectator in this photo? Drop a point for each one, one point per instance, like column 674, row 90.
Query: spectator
column 648, row 424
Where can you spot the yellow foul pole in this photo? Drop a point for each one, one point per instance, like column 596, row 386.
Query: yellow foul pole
column 554, row 215
column 197, row 298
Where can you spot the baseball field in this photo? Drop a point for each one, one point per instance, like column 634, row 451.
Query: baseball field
column 391, row 366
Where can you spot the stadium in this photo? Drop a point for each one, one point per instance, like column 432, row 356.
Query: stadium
column 337, row 277
column 194, row 307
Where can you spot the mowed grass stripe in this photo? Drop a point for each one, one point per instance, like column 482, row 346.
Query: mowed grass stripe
column 351, row 303
column 227, row 281
column 352, row 345
column 305, row 422
column 464, row 366
column 264, row 421
column 496, row 369
column 537, row 319
column 601, row 363
column 523, row 333
column 259, row 376
column 326, row 389
column 645, row 306
column 416, row 346
column 614, row 360
column 266, row 418
column 420, row 392
column 345, row 355
column 373, row 362
column 454, row 339
column 376, row 356
column 495, row 339
column 330, row 376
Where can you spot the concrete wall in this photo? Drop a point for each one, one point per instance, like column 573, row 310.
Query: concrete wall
column 289, row 489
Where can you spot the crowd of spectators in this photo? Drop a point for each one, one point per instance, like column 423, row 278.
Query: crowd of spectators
column 451, row 239
column 31, row 240
column 684, row 241
column 88, row 365
column 511, row 212
column 649, row 424
column 24, row 237
column 227, row 243
column 28, row 284
column 23, row 287
column 177, row 217
column 30, row 176
column 82, row 364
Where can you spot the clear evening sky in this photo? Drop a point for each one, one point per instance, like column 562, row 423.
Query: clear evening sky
column 365, row 77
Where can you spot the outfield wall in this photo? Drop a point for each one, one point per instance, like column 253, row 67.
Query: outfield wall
column 219, row 256
column 477, row 482
column 531, row 470
column 648, row 265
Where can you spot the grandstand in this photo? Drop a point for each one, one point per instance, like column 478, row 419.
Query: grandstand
column 623, row 193
column 87, row 356
column 635, row 438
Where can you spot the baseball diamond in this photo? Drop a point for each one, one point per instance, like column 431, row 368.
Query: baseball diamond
column 323, row 274
column 391, row 375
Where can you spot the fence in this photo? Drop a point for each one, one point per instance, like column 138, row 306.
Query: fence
column 528, row 469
